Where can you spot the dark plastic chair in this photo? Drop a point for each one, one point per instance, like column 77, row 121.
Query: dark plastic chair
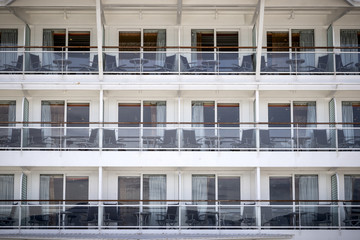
column 170, row 139
column 93, row 66
column 10, row 219
column 35, row 138
column 265, row 141
column 190, row 67
column 247, row 139
column 170, row 217
column 36, row 216
column 339, row 64
column 247, row 64
column 322, row 65
column 190, row 140
column 343, row 142
column 193, row 218
column 169, row 65
column 15, row 139
column 109, row 139
column 248, row 216
column 111, row 215
column 92, row 217
column 323, row 216
column 17, row 67
column 265, row 67
column 320, row 139
column 35, row 64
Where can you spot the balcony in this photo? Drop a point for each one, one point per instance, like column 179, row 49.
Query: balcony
column 182, row 137
column 182, row 61
column 179, row 214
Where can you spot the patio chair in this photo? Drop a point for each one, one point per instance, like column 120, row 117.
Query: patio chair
column 343, row 142
column 265, row 67
column 170, row 139
column 190, row 140
column 111, row 215
column 35, row 64
column 15, row 139
column 169, row 65
column 193, row 218
column 36, row 216
column 109, row 139
column 10, row 219
column 322, row 66
column 247, row 139
column 247, row 64
column 320, row 139
column 323, row 216
column 92, row 67
column 170, row 217
column 265, row 141
column 35, row 138
column 17, row 67
column 92, row 217
column 339, row 64
column 248, row 216
column 190, row 67
column 352, row 215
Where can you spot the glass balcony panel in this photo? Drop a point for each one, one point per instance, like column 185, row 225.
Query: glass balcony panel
column 230, row 216
column 281, row 216
column 318, row 216
column 85, row 138
column 11, row 61
column 228, row 137
column 128, row 215
column 350, row 215
column 130, row 137
column 346, row 62
column 152, row 215
column 276, row 138
column 9, row 215
column 129, row 61
column 10, row 137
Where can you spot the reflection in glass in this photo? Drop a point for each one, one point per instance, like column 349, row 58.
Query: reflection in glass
column 77, row 189
column 51, row 187
column 229, row 189
column 128, row 189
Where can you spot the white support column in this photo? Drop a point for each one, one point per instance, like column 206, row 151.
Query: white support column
column 100, row 203
column 180, row 194
column 179, row 119
column 258, row 197
column 101, row 117
column 259, row 38
column 99, row 28
column 257, row 119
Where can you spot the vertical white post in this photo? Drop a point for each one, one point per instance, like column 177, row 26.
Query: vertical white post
column 257, row 119
column 101, row 117
column 100, row 203
column 259, row 38
column 99, row 32
column 179, row 120
column 258, row 197
column 180, row 196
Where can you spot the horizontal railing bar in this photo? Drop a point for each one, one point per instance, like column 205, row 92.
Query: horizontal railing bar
column 174, row 200
column 205, row 123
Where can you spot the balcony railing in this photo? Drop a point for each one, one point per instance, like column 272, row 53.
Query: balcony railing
column 175, row 214
column 180, row 60
column 182, row 137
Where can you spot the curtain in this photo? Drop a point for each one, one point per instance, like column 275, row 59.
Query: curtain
column 6, row 187
column 311, row 118
column 48, row 40
column 348, row 117
column 348, row 187
column 9, row 37
column 307, row 40
column 46, row 117
column 157, row 55
column 160, row 117
column 44, row 187
column 199, row 188
column 157, row 191
column 308, row 190
column 197, row 115
column 349, row 38
column 12, row 112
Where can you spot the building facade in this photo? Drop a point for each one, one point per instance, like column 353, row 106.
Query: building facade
column 231, row 118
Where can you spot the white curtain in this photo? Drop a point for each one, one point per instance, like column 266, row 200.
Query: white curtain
column 197, row 115
column 6, row 187
column 308, row 190
column 12, row 112
column 157, row 191
column 8, row 38
column 46, row 117
column 349, row 38
column 44, row 187
column 160, row 117
column 48, row 40
column 200, row 188
column 348, row 187
column 307, row 40
column 311, row 118
column 348, row 117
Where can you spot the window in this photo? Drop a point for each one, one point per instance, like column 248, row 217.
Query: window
column 79, row 113
column 154, row 111
column 352, row 187
column 203, row 188
column 7, row 112
column 8, row 37
column 351, row 113
column 304, row 112
column 51, row 187
column 281, row 190
column 129, row 113
column 77, row 188
column 53, row 111
column 6, row 187
column 279, row 113
column 229, row 189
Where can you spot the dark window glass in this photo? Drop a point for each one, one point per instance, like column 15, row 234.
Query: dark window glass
column 229, row 189
column 228, row 112
column 81, row 38
column 202, row 38
column 129, row 39
column 154, row 38
column 352, row 188
column 129, row 189
column 302, row 38
column 8, row 37
column 7, row 112
column 54, row 37
column 154, row 112
column 77, row 189
column 277, row 41
column 51, row 187
column 203, row 111
column 279, row 113
column 304, row 112
column 280, row 189
column 78, row 112
column 227, row 39
column 351, row 113
column 52, row 111
column 130, row 113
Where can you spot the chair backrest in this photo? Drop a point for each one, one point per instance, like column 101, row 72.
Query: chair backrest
column 192, row 213
column 189, row 136
column 111, row 212
column 169, row 64
column 15, row 136
column 172, row 212
column 341, row 137
column 322, row 212
column 93, row 135
column 320, row 137
column 92, row 213
column 338, row 62
column 323, row 62
column 170, row 136
column 264, row 137
column 247, row 63
column 13, row 211
column 249, row 211
column 34, row 62
column 185, row 63
column 19, row 63
column 36, row 135
column 35, row 212
column 109, row 136
column 248, row 136
column 95, row 62
column 110, row 62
